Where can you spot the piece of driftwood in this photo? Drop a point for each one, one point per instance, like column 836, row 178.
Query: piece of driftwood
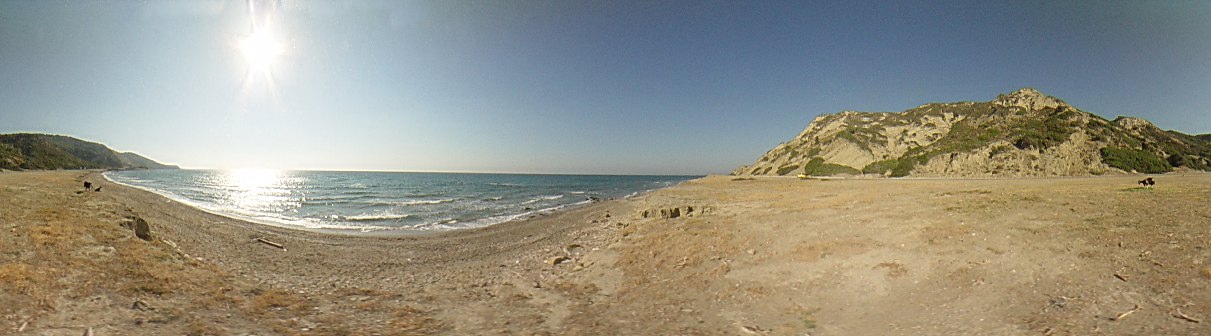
column 88, row 332
column 1186, row 317
column 1120, row 277
column 270, row 243
column 22, row 327
column 1129, row 312
column 140, row 305
column 754, row 330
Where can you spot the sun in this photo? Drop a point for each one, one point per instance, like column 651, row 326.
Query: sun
column 260, row 49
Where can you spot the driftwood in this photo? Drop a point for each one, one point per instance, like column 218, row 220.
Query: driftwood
column 88, row 332
column 754, row 330
column 140, row 305
column 1186, row 317
column 1129, row 312
column 22, row 327
column 270, row 243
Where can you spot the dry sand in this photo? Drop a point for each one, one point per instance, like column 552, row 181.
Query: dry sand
column 776, row 256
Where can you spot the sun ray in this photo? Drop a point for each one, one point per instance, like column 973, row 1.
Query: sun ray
column 260, row 48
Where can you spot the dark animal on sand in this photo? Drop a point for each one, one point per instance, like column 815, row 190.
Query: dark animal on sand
column 88, row 185
column 1148, row 182
column 98, row 189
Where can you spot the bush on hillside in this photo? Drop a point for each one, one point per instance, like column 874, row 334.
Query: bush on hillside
column 817, row 167
column 903, row 167
column 1046, row 133
column 787, row 169
column 880, row 167
column 1137, row 160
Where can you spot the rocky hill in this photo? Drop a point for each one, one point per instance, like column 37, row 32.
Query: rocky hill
column 25, row 151
column 1024, row 133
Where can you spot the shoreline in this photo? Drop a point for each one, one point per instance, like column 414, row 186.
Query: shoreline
column 331, row 231
column 350, row 233
column 378, row 232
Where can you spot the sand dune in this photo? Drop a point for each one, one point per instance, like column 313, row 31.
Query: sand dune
column 770, row 256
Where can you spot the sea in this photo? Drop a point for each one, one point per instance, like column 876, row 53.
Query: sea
column 384, row 202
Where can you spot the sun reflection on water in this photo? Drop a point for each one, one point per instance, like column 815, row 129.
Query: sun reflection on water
column 250, row 179
column 261, row 190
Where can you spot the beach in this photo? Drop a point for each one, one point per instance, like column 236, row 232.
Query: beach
column 770, row 255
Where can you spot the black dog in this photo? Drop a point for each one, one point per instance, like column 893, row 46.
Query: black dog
column 1148, row 182
column 88, row 185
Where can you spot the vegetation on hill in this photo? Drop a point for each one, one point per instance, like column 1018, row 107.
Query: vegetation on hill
column 25, row 151
column 1134, row 160
column 817, row 167
column 880, row 167
column 1025, row 133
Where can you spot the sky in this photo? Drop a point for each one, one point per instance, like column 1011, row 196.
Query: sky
column 582, row 87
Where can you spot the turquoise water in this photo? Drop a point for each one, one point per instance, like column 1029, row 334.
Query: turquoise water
column 381, row 201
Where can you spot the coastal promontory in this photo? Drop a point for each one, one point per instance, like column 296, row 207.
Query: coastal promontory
column 30, row 151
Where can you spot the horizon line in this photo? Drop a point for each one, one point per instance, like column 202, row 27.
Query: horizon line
column 436, row 171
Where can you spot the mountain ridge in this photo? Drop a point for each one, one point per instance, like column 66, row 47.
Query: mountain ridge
column 1023, row 133
column 34, row 151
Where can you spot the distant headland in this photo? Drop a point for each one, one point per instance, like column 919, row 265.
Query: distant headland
column 31, row 151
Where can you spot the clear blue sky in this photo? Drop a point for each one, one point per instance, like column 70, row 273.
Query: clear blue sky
column 642, row 87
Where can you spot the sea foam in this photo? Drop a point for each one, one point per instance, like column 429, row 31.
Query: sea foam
column 376, row 201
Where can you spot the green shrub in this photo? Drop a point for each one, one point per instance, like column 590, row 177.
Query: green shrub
column 880, row 167
column 1137, row 160
column 903, row 167
column 813, row 164
column 1132, row 142
column 829, row 169
column 1046, row 133
column 817, row 167
column 786, row 169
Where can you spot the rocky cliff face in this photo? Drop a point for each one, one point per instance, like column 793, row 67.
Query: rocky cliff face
column 1024, row 133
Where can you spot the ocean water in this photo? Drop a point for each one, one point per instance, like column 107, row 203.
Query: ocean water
column 383, row 201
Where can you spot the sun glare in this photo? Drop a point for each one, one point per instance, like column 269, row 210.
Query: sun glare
column 260, row 48
column 252, row 179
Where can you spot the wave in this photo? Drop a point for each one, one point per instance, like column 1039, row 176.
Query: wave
column 380, row 202
column 511, row 217
column 541, row 198
column 377, row 216
column 425, row 202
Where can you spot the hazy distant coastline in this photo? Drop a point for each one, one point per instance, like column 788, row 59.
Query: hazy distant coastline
column 31, row 151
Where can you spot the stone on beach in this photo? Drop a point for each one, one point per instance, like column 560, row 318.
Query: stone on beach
column 556, row 260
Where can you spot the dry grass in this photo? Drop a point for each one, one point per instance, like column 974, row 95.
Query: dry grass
column 894, row 270
column 410, row 321
column 59, row 248
column 24, row 282
column 276, row 300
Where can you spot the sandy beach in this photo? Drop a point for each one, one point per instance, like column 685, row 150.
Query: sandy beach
column 765, row 256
